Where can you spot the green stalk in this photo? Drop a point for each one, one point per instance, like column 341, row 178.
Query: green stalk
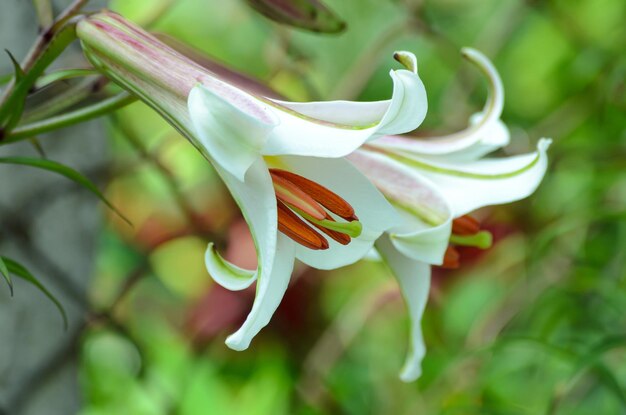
column 70, row 118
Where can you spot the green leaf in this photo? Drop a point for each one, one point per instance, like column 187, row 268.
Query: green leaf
column 610, row 382
column 66, row 171
column 19, row 72
column 20, row 271
column 37, row 146
column 88, row 112
column 7, row 276
column 62, row 75
column 16, row 107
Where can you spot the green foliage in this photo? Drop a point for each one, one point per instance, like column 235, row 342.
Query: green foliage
column 17, row 269
column 6, row 274
column 66, row 171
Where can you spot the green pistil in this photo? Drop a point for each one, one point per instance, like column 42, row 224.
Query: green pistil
column 482, row 240
column 352, row 229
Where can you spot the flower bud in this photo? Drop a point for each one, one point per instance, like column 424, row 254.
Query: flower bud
column 306, row 14
column 154, row 72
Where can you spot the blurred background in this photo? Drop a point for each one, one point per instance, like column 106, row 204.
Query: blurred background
column 535, row 325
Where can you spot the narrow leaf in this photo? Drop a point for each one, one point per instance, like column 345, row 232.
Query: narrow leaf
column 19, row 72
column 20, row 271
column 16, row 108
column 62, row 75
column 7, row 276
column 37, row 146
column 66, row 171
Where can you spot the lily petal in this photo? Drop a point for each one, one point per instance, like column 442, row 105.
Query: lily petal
column 337, row 128
column 495, row 136
column 471, row 185
column 270, row 291
column 255, row 197
column 233, row 136
column 477, row 131
column 425, row 233
column 225, row 273
column 414, row 280
column 374, row 211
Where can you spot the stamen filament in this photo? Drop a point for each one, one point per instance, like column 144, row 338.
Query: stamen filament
column 482, row 240
column 352, row 229
column 339, row 237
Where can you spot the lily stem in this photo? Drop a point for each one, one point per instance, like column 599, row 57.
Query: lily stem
column 74, row 117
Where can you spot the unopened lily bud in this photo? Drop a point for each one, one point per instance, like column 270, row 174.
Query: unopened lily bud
column 140, row 63
column 311, row 15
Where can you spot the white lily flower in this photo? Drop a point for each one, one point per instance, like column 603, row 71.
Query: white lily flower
column 284, row 167
column 434, row 182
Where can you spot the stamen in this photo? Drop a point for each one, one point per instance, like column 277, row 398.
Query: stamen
column 451, row 258
column 466, row 232
column 290, row 193
column 352, row 229
column 340, row 237
column 465, row 225
column 319, row 193
column 481, row 240
column 295, row 228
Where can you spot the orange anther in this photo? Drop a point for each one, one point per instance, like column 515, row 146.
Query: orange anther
column 451, row 258
column 465, row 225
column 291, row 194
column 295, row 228
column 319, row 193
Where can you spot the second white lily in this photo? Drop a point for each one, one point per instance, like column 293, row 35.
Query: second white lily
column 434, row 182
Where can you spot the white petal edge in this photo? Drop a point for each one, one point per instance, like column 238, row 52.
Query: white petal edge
column 374, row 211
column 225, row 273
column 269, row 293
column 472, row 185
column 337, row 128
column 496, row 136
column 414, row 280
column 234, row 136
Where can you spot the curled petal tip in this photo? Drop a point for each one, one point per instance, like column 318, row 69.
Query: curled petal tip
column 226, row 274
column 407, row 59
column 544, row 144
column 408, row 376
column 469, row 53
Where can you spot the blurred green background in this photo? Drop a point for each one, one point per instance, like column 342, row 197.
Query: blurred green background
column 536, row 325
